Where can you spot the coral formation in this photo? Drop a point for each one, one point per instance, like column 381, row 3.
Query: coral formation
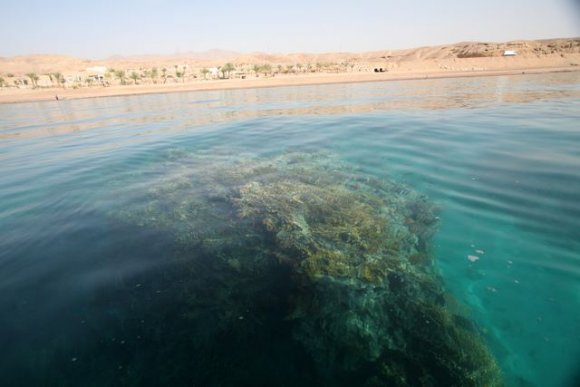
column 339, row 258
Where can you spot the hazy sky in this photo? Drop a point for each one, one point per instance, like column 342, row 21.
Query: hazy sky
column 97, row 29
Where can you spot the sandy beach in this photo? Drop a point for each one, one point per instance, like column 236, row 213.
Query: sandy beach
column 31, row 95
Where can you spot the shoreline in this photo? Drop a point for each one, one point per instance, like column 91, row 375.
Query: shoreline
column 12, row 96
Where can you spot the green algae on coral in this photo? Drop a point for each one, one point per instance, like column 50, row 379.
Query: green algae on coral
column 360, row 291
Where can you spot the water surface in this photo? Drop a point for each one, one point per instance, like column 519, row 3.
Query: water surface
column 86, row 296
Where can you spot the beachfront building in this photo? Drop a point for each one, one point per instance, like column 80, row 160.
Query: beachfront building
column 96, row 73
column 44, row 81
column 22, row 82
column 70, row 80
column 238, row 74
column 214, row 72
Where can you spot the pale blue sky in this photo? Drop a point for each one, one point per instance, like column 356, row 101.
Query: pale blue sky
column 97, row 29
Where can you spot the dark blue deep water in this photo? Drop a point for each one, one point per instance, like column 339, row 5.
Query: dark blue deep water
column 92, row 295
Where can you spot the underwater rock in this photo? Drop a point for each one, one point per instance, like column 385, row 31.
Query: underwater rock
column 340, row 258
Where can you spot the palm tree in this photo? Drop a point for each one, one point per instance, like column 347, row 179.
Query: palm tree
column 227, row 68
column 257, row 69
column 121, row 75
column 33, row 77
column 62, row 79
column 164, row 71
column 53, row 79
column 266, row 69
column 134, row 77
column 1, row 82
column 153, row 74
column 180, row 74
column 183, row 73
column 58, row 78
column 204, row 72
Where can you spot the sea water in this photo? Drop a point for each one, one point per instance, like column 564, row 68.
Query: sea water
column 85, row 299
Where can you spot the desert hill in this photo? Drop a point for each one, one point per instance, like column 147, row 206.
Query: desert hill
column 535, row 49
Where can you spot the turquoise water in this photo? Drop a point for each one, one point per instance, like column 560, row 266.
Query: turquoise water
column 91, row 296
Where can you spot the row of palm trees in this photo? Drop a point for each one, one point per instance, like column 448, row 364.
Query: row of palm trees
column 57, row 78
column 153, row 74
column 224, row 71
column 124, row 77
column 180, row 73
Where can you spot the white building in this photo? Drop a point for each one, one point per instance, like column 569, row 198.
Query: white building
column 509, row 53
column 214, row 72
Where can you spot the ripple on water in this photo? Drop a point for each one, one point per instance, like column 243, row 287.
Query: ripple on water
column 498, row 155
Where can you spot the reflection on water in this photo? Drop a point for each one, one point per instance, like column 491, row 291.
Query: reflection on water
column 91, row 298
column 198, row 109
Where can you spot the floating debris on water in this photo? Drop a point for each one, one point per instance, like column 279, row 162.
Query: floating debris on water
column 473, row 258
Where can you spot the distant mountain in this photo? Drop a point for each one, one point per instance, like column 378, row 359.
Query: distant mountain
column 209, row 55
column 532, row 50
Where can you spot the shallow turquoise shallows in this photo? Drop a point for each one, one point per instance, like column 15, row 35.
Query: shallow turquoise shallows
column 96, row 289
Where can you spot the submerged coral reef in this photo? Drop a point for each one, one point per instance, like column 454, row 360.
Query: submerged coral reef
column 322, row 259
